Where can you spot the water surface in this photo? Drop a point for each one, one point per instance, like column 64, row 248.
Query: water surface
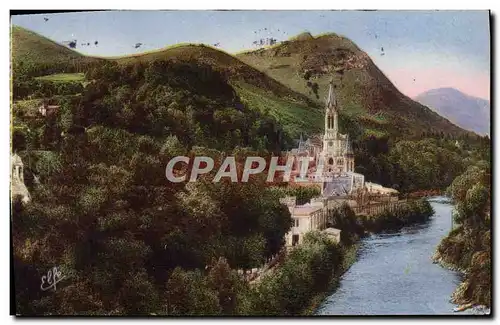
column 394, row 273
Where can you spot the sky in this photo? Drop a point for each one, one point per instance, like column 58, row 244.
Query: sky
column 423, row 49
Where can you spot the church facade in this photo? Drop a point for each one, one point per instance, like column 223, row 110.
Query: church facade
column 330, row 163
column 331, row 157
column 336, row 155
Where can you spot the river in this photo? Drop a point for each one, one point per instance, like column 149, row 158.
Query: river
column 394, row 273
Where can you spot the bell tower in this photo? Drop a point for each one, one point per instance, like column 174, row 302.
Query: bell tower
column 331, row 139
column 331, row 114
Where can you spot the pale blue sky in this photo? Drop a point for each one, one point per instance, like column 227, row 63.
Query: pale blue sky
column 436, row 48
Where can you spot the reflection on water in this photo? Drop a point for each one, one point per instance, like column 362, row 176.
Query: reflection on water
column 394, row 273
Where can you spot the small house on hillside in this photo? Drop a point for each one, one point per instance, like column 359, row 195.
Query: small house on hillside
column 45, row 109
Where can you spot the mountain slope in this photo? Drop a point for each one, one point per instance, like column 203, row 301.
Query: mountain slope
column 306, row 64
column 228, row 65
column 40, row 55
column 289, row 81
column 295, row 111
column 466, row 111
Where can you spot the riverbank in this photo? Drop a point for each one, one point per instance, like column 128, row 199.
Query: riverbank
column 348, row 261
column 313, row 270
column 468, row 246
column 394, row 274
column 473, row 261
column 425, row 193
column 390, row 220
column 468, row 294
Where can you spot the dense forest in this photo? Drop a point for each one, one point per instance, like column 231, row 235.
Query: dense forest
column 411, row 165
column 103, row 210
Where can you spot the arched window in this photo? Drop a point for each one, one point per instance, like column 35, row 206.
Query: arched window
column 330, row 161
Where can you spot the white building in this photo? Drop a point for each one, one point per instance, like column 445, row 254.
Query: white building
column 18, row 188
column 305, row 218
column 308, row 217
column 333, row 233
column 332, row 158
column 379, row 189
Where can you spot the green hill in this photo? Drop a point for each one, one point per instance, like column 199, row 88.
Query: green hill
column 295, row 111
column 43, row 57
column 39, row 55
column 306, row 64
column 288, row 80
column 233, row 69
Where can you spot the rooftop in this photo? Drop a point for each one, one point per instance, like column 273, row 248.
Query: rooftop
column 305, row 210
column 332, row 231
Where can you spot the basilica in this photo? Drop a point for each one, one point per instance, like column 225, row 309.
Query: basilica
column 328, row 160
column 331, row 157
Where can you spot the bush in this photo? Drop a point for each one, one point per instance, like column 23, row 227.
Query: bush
column 413, row 212
column 468, row 247
column 306, row 271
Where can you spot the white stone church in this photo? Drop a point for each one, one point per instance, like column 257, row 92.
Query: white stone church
column 332, row 161
column 332, row 158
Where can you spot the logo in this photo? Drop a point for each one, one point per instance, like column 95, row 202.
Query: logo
column 50, row 280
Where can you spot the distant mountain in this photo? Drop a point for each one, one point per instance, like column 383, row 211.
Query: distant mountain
column 468, row 112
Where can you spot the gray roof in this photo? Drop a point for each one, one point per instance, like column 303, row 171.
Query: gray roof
column 339, row 186
column 332, row 231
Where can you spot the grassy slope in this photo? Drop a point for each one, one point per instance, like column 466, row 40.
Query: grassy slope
column 233, row 68
column 295, row 117
column 63, row 77
column 363, row 90
column 31, row 48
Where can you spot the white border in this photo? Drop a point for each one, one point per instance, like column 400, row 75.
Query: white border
column 186, row 4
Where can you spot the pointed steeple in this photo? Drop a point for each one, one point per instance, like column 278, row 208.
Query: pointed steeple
column 331, row 100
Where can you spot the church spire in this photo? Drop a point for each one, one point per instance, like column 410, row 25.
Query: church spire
column 331, row 114
column 331, row 100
